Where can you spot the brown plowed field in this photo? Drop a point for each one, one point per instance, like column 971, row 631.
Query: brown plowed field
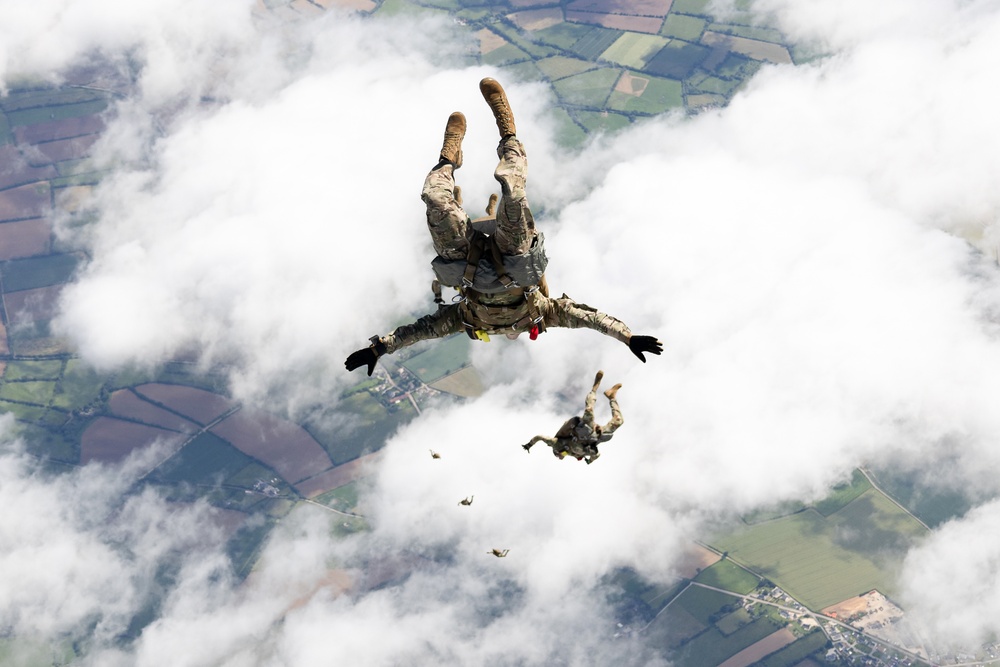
column 337, row 477
column 647, row 24
column 110, row 440
column 695, row 559
column 537, row 19
column 196, row 404
column 627, row 7
column 59, row 129
column 25, row 201
column 67, row 149
column 758, row 650
column 14, row 169
column 286, row 447
column 29, row 305
column 126, row 403
column 24, row 239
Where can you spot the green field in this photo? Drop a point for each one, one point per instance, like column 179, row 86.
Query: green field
column 34, row 272
column 79, row 386
column 6, row 135
column 697, row 7
column 205, row 460
column 688, row 28
column 33, row 369
column 361, row 425
column 561, row 35
column 601, row 121
column 726, row 574
column 343, row 498
column 589, row 89
column 633, row 49
column 930, row 500
column 748, row 31
column 38, row 392
column 843, row 494
column 705, row 605
column 506, row 54
column 659, row 96
column 559, row 67
column 713, row 84
column 733, row 621
column 823, row 560
column 712, row 647
column 595, row 42
column 444, row 357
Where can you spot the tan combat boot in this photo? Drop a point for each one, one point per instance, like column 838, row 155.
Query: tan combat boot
column 454, row 132
column 597, row 379
column 497, row 99
column 610, row 393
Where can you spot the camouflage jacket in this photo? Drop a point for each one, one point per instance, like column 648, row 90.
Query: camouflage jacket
column 500, row 315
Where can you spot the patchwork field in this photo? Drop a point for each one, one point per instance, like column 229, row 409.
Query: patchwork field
column 110, row 440
column 197, row 404
column 822, row 560
column 281, row 445
column 24, row 238
column 634, row 50
column 126, row 403
column 726, row 574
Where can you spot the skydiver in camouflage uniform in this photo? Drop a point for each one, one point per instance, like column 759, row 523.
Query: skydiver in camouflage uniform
column 502, row 288
column 579, row 436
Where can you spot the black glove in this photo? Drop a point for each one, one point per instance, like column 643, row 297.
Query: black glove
column 367, row 356
column 640, row 344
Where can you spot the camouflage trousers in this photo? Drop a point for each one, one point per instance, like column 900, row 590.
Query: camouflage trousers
column 448, row 222
column 616, row 413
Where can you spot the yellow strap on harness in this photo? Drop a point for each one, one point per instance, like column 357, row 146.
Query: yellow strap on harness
column 482, row 335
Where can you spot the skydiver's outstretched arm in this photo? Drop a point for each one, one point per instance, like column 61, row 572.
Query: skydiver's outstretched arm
column 444, row 322
column 564, row 312
column 538, row 438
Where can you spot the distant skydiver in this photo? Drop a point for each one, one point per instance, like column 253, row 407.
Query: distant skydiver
column 435, row 455
column 498, row 553
column 496, row 264
column 579, row 437
column 466, row 501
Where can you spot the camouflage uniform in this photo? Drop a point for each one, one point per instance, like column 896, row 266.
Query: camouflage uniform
column 506, row 291
column 579, row 436
column 504, row 312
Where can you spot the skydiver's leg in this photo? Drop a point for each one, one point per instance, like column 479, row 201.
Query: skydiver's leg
column 515, row 226
column 588, row 411
column 447, row 221
column 616, row 414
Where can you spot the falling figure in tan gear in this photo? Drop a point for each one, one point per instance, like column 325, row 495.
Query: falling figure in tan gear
column 466, row 501
column 579, row 436
column 498, row 553
column 497, row 264
column 435, row 455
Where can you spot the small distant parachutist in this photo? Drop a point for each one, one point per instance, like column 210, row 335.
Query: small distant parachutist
column 435, row 455
column 466, row 501
column 498, row 553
